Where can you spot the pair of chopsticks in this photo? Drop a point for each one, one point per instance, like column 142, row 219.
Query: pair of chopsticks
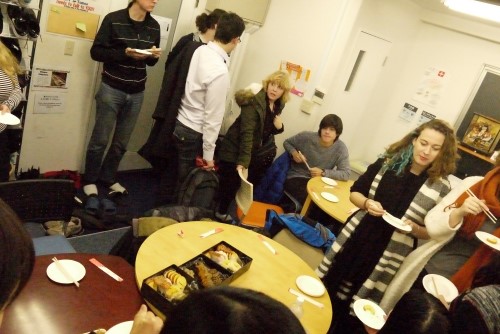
column 304, row 159
column 487, row 212
column 438, row 295
column 65, row 272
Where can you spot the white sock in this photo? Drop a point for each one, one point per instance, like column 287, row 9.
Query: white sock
column 118, row 188
column 90, row 189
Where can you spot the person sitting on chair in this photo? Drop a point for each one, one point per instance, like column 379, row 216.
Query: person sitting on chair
column 316, row 154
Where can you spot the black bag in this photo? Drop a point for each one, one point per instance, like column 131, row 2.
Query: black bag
column 199, row 189
column 264, row 156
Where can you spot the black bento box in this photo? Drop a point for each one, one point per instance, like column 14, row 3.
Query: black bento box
column 199, row 272
column 154, row 294
column 244, row 260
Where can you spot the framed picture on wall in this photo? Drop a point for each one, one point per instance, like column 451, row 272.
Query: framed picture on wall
column 482, row 134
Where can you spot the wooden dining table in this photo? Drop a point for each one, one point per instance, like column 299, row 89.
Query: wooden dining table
column 45, row 306
column 340, row 210
column 269, row 273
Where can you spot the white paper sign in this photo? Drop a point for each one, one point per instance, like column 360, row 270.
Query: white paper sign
column 49, row 103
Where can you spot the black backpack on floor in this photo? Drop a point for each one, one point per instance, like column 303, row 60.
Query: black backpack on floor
column 199, row 189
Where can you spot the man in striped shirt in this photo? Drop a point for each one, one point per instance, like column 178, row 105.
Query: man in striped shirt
column 126, row 43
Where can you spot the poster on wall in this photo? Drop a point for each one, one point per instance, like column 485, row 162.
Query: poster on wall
column 48, row 78
column 408, row 112
column 431, row 86
column 299, row 77
column 75, row 18
column 425, row 117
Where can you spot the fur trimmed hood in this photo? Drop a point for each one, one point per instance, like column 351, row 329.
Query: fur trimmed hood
column 244, row 96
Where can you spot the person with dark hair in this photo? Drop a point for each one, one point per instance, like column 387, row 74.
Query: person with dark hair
column 120, row 96
column 202, row 106
column 17, row 256
column 417, row 313
column 477, row 311
column 407, row 181
column 258, row 122
column 231, row 310
column 322, row 151
column 159, row 149
column 206, row 24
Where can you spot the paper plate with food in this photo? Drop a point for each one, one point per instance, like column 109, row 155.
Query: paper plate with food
column 121, row 328
column 489, row 239
column 369, row 313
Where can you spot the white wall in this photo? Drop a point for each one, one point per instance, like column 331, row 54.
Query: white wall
column 316, row 34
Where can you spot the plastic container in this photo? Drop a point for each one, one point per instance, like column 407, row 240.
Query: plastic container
column 297, row 307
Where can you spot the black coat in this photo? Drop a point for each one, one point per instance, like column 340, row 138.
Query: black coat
column 159, row 144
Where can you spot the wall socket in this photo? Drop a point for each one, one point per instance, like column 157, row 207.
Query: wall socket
column 306, row 106
column 69, row 48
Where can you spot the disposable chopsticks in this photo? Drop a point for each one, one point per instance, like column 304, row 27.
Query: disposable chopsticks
column 65, row 272
column 487, row 212
column 304, row 159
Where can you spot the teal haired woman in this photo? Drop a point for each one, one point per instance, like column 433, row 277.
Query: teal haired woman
column 407, row 181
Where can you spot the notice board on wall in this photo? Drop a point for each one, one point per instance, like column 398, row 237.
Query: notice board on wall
column 72, row 22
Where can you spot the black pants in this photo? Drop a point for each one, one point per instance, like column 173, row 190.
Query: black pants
column 229, row 183
column 4, row 157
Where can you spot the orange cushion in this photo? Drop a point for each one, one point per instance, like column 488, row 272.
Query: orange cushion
column 256, row 216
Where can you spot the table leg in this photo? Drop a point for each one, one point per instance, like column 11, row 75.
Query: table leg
column 305, row 207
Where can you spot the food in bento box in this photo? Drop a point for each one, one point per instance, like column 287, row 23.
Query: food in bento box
column 225, row 257
column 208, row 277
column 170, row 284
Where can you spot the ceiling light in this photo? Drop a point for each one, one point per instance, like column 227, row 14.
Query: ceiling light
column 482, row 9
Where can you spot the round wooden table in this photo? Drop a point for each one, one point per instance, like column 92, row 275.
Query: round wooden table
column 268, row 273
column 340, row 210
column 100, row 302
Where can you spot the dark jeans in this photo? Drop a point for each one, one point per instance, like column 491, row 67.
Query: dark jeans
column 189, row 145
column 114, row 108
column 297, row 187
column 229, row 183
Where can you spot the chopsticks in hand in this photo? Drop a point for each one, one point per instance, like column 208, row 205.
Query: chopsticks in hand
column 304, row 159
column 65, row 272
column 487, row 212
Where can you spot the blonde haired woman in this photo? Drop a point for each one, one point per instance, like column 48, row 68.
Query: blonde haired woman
column 10, row 96
column 259, row 121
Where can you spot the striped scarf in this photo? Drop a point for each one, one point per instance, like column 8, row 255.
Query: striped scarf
column 398, row 248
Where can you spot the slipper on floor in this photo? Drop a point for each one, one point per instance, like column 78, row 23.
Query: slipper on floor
column 68, row 229
column 92, row 205
column 108, row 207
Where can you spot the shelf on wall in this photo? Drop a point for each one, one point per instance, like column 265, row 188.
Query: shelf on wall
column 474, row 153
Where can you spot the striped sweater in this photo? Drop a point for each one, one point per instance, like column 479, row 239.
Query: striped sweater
column 118, row 32
column 399, row 246
column 10, row 94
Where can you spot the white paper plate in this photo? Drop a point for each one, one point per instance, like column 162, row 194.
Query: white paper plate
column 121, row 328
column 396, row 222
column 369, row 313
column 329, row 197
column 145, row 52
column 74, row 268
column 489, row 239
column 9, row 119
column 444, row 285
column 310, row 286
column 330, row 182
